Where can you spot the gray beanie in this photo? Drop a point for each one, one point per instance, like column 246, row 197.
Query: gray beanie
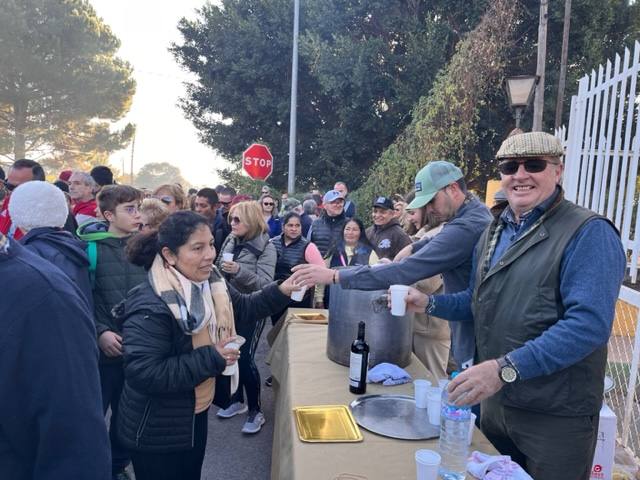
column 38, row 204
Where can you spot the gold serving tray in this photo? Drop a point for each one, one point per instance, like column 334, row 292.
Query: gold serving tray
column 326, row 423
column 320, row 318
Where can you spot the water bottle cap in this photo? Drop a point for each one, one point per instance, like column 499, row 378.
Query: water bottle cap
column 454, row 374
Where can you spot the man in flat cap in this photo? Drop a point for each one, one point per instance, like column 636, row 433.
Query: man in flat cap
column 542, row 294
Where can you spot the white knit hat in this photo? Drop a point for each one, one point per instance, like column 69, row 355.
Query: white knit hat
column 38, row 204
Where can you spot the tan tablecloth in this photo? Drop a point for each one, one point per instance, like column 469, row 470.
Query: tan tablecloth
column 303, row 375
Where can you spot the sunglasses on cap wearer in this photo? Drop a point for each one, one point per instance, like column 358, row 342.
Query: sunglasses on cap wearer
column 268, row 204
column 531, row 165
column 233, row 220
column 165, row 199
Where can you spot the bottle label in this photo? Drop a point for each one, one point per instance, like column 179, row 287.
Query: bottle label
column 355, row 367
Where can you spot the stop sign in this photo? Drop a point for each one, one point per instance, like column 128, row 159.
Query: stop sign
column 257, row 161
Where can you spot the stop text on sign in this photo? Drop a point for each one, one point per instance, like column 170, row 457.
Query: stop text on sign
column 257, row 162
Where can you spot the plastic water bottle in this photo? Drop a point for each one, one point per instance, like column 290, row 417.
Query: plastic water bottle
column 454, row 434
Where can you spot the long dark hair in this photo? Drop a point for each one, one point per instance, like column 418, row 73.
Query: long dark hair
column 173, row 232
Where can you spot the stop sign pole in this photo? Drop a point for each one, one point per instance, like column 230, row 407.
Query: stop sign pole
column 257, row 161
column 291, row 184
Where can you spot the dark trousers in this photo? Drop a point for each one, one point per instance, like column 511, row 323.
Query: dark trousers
column 249, row 375
column 185, row 465
column 111, row 382
column 548, row 447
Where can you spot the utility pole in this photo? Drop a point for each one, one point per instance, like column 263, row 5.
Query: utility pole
column 538, row 102
column 563, row 63
column 133, row 148
column 291, row 184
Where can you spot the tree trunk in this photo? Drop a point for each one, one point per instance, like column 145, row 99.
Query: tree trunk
column 563, row 63
column 20, row 118
column 538, row 103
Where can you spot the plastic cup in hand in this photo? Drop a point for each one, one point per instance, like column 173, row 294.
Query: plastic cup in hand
column 434, row 399
column 227, row 257
column 236, row 344
column 298, row 295
column 398, row 304
column 472, row 425
column 443, row 382
column 427, row 463
column 420, row 389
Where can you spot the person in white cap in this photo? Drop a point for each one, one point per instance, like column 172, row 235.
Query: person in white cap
column 441, row 187
column 543, row 290
column 40, row 210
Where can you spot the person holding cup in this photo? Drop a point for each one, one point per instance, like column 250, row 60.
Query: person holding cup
column 178, row 326
column 292, row 250
column 253, row 266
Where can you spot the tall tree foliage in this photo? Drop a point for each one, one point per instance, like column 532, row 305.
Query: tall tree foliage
column 154, row 174
column 61, row 84
column 363, row 65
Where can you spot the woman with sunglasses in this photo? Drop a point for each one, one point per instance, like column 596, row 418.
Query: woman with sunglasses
column 178, row 325
column 270, row 214
column 172, row 196
column 253, row 266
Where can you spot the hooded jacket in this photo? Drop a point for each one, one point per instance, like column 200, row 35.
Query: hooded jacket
column 114, row 277
column 65, row 252
column 388, row 239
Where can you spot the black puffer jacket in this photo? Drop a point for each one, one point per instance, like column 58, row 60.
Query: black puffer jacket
column 162, row 369
column 326, row 231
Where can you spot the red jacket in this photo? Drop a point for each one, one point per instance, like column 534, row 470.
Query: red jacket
column 85, row 208
column 5, row 220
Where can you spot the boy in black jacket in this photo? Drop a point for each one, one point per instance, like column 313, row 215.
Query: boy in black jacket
column 112, row 278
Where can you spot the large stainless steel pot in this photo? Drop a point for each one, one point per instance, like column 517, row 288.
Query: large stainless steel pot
column 389, row 337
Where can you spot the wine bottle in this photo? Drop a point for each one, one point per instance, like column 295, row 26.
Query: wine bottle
column 359, row 363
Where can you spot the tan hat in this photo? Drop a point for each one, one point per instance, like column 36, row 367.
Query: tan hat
column 531, row 144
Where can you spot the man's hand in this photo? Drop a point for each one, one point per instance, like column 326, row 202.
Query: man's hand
column 475, row 384
column 405, row 252
column 416, row 300
column 308, row 275
column 289, row 286
column 111, row 344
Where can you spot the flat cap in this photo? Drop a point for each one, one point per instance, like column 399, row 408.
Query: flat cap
column 531, row 144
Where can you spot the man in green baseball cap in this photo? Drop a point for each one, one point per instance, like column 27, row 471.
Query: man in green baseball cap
column 441, row 190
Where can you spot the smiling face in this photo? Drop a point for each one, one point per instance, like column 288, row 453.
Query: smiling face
column 382, row 216
column 525, row 190
column 415, row 217
column 334, row 208
column 351, row 233
column 195, row 258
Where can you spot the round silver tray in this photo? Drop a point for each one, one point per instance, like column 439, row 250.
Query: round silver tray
column 394, row 416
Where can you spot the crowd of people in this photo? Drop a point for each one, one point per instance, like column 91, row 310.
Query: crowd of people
column 173, row 290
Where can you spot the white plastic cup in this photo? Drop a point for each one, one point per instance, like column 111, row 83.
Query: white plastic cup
column 232, row 369
column 427, row 464
column 398, row 304
column 443, row 382
column 298, row 295
column 420, row 389
column 434, row 400
column 227, row 257
column 472, row 426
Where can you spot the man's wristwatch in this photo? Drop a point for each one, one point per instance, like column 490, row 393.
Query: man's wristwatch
column 507, row 372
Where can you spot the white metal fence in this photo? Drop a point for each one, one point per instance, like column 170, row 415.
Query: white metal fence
column 601, row 172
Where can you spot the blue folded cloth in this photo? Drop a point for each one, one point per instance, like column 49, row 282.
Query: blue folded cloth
column 388, row 374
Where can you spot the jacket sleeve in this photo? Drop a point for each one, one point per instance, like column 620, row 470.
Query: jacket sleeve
column 263, row 303
column 265, row 270
column 151, row 364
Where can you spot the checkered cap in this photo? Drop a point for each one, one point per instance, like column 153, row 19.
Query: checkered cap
column 531, row 144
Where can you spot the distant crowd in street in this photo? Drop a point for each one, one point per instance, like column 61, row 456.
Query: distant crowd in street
column 151, row 305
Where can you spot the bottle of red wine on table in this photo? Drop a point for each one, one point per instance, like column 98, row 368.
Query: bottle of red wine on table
column 359, row 363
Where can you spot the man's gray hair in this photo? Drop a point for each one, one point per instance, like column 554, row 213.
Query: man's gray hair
column 87, row 179
column 309, row 206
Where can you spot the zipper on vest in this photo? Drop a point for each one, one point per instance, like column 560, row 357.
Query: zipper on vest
column 193, row 430
column 143, row 422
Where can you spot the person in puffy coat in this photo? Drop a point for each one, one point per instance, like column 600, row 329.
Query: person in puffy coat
column 177, row 326
column 40, row 210
column 253, row 266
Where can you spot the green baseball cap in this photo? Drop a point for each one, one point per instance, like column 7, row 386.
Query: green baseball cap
column 435, row 176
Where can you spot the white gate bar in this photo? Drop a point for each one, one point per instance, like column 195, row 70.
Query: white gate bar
column 606, row 180
column 602, row 144
column 623, row 171
column 613, row 186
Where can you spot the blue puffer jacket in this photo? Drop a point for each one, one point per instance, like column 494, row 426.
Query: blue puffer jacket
column 65, row 251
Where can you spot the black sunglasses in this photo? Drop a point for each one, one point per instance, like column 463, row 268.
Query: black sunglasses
column 268, row 204
column 531, row 165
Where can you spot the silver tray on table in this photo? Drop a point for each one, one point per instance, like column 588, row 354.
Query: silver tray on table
column 394, row 416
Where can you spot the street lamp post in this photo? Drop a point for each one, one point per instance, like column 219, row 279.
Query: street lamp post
column 291, row 183
column 520, row 91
